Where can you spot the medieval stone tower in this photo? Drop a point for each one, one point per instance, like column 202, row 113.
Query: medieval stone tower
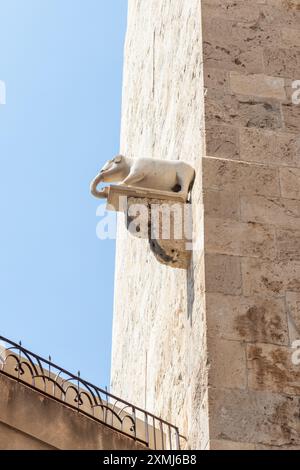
column 210, row 348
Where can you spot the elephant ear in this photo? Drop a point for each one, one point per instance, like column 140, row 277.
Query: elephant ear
column 118, row 159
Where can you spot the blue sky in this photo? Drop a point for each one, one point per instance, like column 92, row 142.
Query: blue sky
column 62, row 64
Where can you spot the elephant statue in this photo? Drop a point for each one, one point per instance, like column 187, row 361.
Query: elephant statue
column 150, row 173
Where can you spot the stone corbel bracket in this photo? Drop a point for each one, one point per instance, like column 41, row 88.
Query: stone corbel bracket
column 164, row 218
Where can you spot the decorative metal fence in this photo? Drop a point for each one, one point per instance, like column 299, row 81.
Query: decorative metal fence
column 48, row 378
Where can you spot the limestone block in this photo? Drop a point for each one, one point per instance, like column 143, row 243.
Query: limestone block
column 258, row 85
column 280, row 13
column 288, row 244
column 291, row 117
column 236, row 46
column 199, row 429
column 291, row 36
column 267, row 278
column 287, row 447
column 240, row 177
column 222, row 141
column 281, row 212
column 293, row 307
column 227, row 360
column 270, row 368
column 243, row 111
column 221, row 444
column 290, row 182
column 282, row 62
column 230, row 237
column 257, row 417
column 247, row 318
column 224, row 204
column 246, row 11
column 216, row 79
column 263, row 146
column 217, row 276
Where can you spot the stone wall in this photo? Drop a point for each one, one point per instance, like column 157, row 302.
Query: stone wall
column 209, row 349
column 252, row 250
column 159, row 324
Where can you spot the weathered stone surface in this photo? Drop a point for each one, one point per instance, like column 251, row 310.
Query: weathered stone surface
column 240, row 176
column 222, row 141
column 288, row 244
column 216, row 276
column 216, row 79
column 257, row 85
column 282, row 62
column 246, row 11
column 235, row 47
column 221, row 444
column 293, row 309
column 244, row 111
column 291, row 117
column 267, row 278
column 291, row 36
column 267, row 147
column 224, row 204
column 280, row 13
column 290, row 182
column 238, row 238
column 254, row 319
column 159, row 312
column 271, row 368
column 227, row 361
column 167, row 114
column 287, row 447
column 278, row 211
column 255, row 416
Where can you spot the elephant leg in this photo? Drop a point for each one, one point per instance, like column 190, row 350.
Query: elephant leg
column 184, row 186
column 132, row 179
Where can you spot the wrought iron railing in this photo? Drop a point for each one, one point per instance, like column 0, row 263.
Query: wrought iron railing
column 56, row 382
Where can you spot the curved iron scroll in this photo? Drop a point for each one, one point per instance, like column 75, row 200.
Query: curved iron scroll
column 52, row 380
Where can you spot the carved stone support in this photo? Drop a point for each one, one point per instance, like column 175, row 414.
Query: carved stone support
column 159, row 216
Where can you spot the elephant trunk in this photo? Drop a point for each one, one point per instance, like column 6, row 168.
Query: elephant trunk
column 94, row 184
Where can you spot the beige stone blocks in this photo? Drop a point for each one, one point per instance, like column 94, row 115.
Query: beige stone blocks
column 282, row 62
column 290, row 182
column 246, row 11
column 270, row 279
column 288, row 244
column 281, row 212
column 293, row 310
column 291, row 36
column 233, row 48
column 269, row 147
column 257, row 85
column 222, row 444
column 291, row 117
column 225, row 204
column 254, row 145
column 271, row 368
column 258, row 417
column 223, row 274
column 222, row 141
column 227, row 361
column 239, row 238
column 240, row 177
column 216, row 79
column 243, row 111
column 248, row 319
